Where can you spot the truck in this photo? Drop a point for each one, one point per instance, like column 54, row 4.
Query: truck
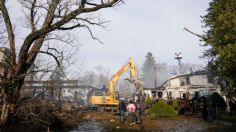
column 111, row 100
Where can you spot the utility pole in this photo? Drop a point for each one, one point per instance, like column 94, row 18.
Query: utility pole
column 179, row 57
column 155, row 72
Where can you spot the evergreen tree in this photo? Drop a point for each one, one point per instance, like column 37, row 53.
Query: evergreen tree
column 220, row 22
column 148, row 76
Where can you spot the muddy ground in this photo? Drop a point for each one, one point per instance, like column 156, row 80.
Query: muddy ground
column 97, row 121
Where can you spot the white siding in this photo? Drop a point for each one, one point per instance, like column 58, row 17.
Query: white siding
column 148, row 93
column 199, row 80
column 175, row 82
column 196, row 83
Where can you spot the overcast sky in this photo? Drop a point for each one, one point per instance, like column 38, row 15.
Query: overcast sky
column 141, row 26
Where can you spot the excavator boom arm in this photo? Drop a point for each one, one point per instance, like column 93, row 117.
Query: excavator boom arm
column 130, row 65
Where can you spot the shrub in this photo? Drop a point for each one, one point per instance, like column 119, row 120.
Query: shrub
column 161, row 109
column 149, row 101
column 174, row 104
column 215, row 100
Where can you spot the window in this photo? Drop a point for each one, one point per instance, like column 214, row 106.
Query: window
column 196, row 93
column 182, row 84
column 188, row 80
column 182, row 81
column 184, row 96
column 159, row 94
column 170, row 96
column 154, row 94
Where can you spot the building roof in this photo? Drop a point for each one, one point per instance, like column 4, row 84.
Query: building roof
column 186, row 75
column 190, row 74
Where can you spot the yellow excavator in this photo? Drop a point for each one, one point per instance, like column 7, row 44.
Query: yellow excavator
column 111, row 100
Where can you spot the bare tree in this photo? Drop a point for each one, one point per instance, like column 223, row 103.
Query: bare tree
column 45, row 18
column 98, row 77
column 124, row 87
column 102, row 76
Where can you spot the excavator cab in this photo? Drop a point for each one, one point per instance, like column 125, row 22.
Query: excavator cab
column 117, row 95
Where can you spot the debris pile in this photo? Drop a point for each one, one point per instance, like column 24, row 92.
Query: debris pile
column 34, row 114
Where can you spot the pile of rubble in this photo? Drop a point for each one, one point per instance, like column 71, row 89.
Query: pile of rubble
column 39, row 115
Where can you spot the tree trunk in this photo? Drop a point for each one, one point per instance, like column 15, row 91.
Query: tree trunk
column 5, row 113
column 10, row 97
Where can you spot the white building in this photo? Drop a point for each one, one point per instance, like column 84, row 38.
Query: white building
column 188, row 85
column 184, row 86
column 148, row 92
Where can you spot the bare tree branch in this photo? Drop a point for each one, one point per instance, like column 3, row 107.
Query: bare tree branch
column 40, row 35
column 32, row 15
column 82, row 4
column 198, row 35
column 64, row 38
column 92, row 4
column 46, row 29
column 100, row 23
column 91, row 34
column 71, row 27
column 11, row 35
column 48, row 53
column 7, row 60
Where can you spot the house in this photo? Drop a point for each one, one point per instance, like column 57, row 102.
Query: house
column 149, row 92
column 185, row 86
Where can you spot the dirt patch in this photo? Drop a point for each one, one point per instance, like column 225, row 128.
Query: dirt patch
column 78, row 121
column 110, row 122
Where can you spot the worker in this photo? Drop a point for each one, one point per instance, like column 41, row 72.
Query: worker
column 204, row 108
column 231, row 106
column 131, row 115
column 122, row 110
column 138, row 110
